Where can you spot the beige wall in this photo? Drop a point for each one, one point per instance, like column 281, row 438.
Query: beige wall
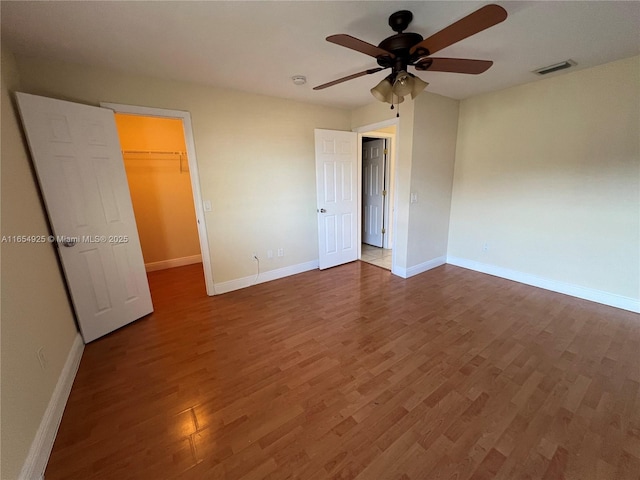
column 547, row 175
column 160, row 188
column 35, row 309
column 434, row 145
column 255, row 158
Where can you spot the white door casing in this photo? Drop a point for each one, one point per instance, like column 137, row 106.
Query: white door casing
column 394, row 228
column 373, row 174
column 78, row 161
column 337, row 194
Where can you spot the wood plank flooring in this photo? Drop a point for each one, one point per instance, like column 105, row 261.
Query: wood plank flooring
column 352, row 373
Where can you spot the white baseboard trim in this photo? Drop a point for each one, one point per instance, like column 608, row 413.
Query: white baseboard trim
column 42, row 444
column 598, row 296
column 267, row 276
column 172, row 262
column 420, row 268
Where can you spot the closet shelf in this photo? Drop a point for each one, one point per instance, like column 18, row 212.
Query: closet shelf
column 157, row 155
column 151, row 152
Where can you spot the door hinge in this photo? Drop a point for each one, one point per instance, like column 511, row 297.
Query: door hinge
column 384, row 193
column 384, row 230
column 386, row 151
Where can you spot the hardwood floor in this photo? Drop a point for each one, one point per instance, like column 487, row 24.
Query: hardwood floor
column 354, row 373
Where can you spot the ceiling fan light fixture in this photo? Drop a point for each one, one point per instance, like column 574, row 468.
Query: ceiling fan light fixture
column 418, row 86
column 382, row 91
column 394, row 99
column 403, row 84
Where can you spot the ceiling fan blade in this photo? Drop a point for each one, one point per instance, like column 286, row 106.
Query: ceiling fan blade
column 359, row 45
column 455, row 65
column 480, row 20
column 349, row 77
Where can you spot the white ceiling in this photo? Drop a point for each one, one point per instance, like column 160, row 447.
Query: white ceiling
column 258, row 46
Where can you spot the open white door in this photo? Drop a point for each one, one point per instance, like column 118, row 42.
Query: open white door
column 76, row 152
column 373, row 169
column 337, row 191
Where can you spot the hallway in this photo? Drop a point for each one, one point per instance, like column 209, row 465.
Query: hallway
column 380, row 257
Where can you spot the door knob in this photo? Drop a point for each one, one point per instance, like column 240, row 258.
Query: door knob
column 69, row 242
column 322, row 210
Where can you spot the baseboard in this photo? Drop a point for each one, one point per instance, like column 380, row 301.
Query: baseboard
column 598, row 296
column 267, row 276
column 172, row 262
column 420, row 268
column 42, row 444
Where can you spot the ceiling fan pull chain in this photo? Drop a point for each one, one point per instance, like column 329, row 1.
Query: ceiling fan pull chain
column 393, row 107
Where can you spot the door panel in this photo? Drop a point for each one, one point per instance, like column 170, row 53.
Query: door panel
column 372, row 192
column 336, row 181
column 76, row 153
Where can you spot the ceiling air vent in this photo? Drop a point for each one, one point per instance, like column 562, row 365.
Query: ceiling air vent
column 555, row 67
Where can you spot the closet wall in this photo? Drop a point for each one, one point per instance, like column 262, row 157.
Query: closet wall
column 160, row 189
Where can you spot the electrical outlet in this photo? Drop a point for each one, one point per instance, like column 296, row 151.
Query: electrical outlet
column 254, row 255
column 42, row 358
column 269, row 253
column 281, row 252
column 485, row 247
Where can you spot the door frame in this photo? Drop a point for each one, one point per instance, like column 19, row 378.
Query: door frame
column 368, row 131
column 387, row 238
column 193, row 174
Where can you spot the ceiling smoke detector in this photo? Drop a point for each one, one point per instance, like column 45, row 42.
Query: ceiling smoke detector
column 299, row 79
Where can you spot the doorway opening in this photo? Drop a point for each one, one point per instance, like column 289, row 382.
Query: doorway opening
column 171, row 164
column 157, row 168
column 378, row 160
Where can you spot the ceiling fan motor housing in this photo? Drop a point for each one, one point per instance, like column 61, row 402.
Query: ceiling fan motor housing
column 399, row 45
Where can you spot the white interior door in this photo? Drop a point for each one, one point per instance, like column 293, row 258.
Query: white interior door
column 337, row 190
column 373, row 169
column 76, row 152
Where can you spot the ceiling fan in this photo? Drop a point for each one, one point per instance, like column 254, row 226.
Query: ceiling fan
column 402, row 50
